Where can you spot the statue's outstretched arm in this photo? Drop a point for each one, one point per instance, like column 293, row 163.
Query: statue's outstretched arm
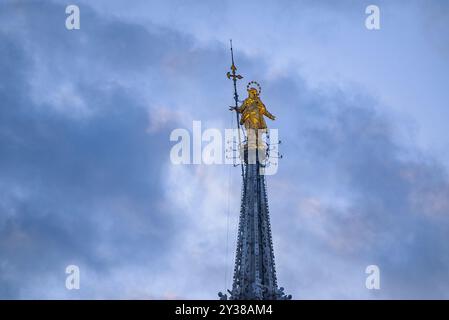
column 239, row 109
column 242, row 108
column 268, row 114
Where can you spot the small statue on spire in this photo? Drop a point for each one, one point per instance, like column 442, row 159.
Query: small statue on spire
column 253, row 109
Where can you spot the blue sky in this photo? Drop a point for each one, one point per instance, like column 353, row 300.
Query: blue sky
column 85, row 119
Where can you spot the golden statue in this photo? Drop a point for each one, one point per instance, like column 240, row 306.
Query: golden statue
column 253, row 110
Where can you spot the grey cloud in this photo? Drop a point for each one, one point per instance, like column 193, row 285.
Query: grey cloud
column 393, row 213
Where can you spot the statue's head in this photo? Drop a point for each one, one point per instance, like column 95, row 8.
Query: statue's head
column 253, row 93
column 253, row 89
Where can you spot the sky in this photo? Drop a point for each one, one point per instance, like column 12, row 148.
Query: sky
column 85, row 171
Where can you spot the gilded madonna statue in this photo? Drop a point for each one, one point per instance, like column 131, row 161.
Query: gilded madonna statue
column 253, row 110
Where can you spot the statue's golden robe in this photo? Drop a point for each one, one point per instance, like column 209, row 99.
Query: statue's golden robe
column 253, row 111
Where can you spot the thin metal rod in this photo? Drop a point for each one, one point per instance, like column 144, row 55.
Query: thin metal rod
column 236, row 99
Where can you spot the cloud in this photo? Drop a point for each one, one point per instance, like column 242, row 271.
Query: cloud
column 82, row 190
column 359, row 197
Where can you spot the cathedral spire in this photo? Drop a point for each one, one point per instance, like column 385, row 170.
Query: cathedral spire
column 254, row 269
